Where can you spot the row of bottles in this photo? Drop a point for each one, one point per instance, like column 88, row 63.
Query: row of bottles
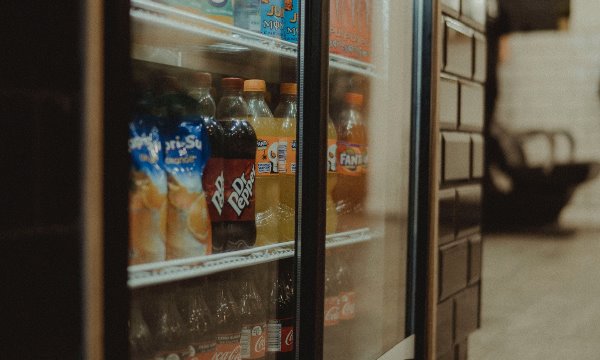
column 213, row 177
column 227, row 316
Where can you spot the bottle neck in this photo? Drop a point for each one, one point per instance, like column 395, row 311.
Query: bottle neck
column 255, row 96
column 232, row 92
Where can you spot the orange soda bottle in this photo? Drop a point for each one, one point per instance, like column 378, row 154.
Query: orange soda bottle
column 350, row 191
column 286, row 113
column 268, row 132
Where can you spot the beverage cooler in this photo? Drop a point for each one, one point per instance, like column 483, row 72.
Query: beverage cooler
column 262, row 197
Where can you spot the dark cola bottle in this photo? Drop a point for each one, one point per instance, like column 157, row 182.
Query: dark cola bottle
column 253, row 320
column 213, row 180
column 228, row 327
column 347, row 293
column 331, row 306
column 170, row 338
column 140, row 339
column 200, row 326
column 239, row 157
column 282, row 313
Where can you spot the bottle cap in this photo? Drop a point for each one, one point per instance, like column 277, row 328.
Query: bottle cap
column 353, row 98
column 232, row 83
column 254, row 85
column 168, row 83
column 202, row 79
column 289, row 88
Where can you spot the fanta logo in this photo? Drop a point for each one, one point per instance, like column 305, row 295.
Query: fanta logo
column 350, row 159
column 242, row 192
column 218, row 198
column 289, row 339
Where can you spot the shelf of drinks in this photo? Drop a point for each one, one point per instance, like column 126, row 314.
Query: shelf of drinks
column 170, row 36
column 180, row 269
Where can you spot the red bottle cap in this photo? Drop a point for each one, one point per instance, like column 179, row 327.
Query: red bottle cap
column 289, row 88
column 232, row 83
column 353, row 99
column 202, row 79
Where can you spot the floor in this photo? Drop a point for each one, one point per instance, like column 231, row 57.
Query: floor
column 541, row 291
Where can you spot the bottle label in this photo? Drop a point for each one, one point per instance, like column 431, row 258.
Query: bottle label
column 271, row 18
column 202, row 351
column 267, row 148
column 350, row 28
column 187, row 150
column 348, row 305
column 332, row 311
column 239, row 190
column 253, row 341
column 287, row 155
column 228, row 347
column 331, row 155
column 290, row 21
column 280, row 334
column 351, row 158
column 147, row 192
column 213, row 181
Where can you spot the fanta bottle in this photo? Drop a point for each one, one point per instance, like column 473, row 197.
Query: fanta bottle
column 286, row 114
column 267, row 180
column 350, row 190
column 331, row 212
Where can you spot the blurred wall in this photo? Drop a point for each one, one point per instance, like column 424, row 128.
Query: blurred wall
column 551, row 79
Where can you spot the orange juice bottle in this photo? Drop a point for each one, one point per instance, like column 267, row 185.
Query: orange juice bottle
column 285, row 113
column 268, row 132
column 331, row 212
column 350, row 190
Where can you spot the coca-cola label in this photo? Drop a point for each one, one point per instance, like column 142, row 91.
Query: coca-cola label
column 239, row 190
column 348, row 305
column 253, row 341
column 228, row 347
column 332, row 311
column 267, row 158
column 213, row 182
column 202, row 351
column 280, row 335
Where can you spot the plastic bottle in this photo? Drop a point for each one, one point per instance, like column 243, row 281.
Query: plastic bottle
column 346, row 287
column 148, row 184
column 228, row 325
column 282, row 313
column 285, row 113
column 246, row 14
column 253, row 319
column 331, row 306
column 213, row 182
column 268, row 132
column 350, row 190
column 169, row 334
column 199, row 325
column 185, row 143
column 140, row 340
column 331, row 211
column 238, row 168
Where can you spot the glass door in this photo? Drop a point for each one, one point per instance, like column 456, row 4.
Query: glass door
column 212, row 182
column 365, row 295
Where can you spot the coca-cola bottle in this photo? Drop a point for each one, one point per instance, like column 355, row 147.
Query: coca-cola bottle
column 169, row 334
column 140, row 339
column 347, row 293
column 282, row 313
column 331, row 306
column 239, row 157
column 213, row 181
column 227, row 323
column 253, row 320
column 200, row 326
